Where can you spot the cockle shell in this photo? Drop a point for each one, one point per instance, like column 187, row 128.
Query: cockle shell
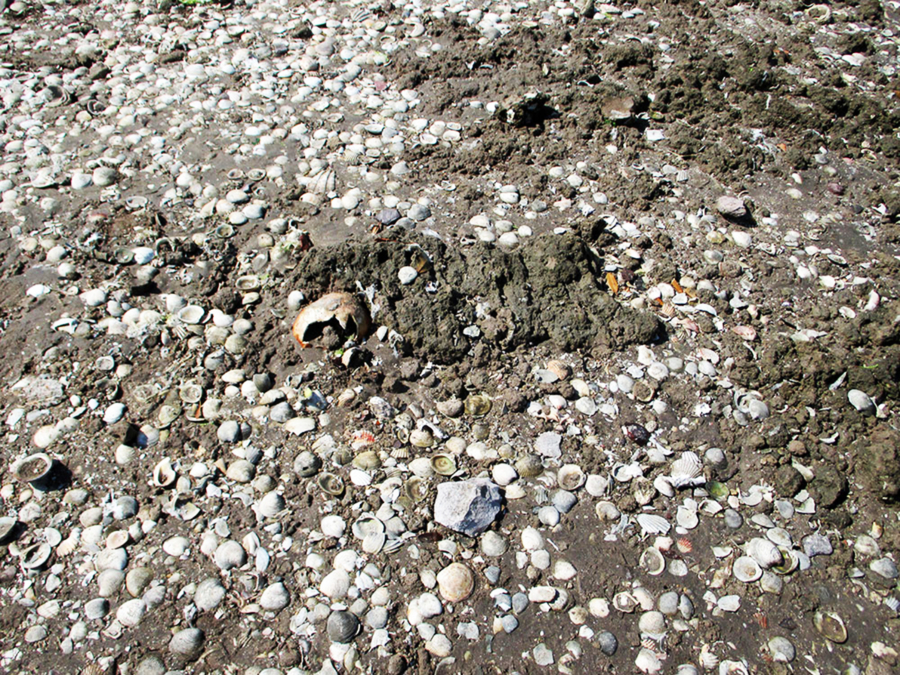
column 746, row 569
column 653, row 524
column 343, row 309
column 455, row 582
column 686, row 471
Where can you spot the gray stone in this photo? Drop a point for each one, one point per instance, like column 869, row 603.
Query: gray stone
column 275, row 598
column 209, row 594
column 124, row 508
column 96, row 609
column 282, row 412
column 187, row 643
column 816, row 544
column 468, row 506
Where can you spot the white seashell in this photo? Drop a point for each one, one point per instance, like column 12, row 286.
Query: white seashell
column 687, row 471
column 764, row 552
column 164, row 474
column 664, row 486
column 624, row 602
column 570, row 477
column 596, row 486
column 729, row 603
column 323, row 182
column 270, row 505
column 686, row 518
column 606, row 510
column 374, row 542
column 746, row 569
column 192, row 314
column 653, row 524
column 652, row 623
column 647, row 662
column 861, row 401
column 652, row 561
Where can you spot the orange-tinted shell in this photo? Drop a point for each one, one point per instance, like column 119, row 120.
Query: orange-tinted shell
column 344, row 308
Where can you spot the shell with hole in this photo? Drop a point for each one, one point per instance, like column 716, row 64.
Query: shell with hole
column 342, row 311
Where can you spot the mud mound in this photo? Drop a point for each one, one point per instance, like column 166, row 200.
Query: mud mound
column 549, row 289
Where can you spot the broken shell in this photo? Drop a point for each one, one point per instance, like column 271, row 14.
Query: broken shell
column 338, row 310
column 570, row 477
column 416, row 489
column 746, row 569
column 35, row 557
column 164, row 474
column 530, row 466
column 643, row 491
column 831, row 626
column 331, row 484
column 32, row 468
column 652, row 561
column 478, row 405
column 190, row 392
column 455, row 582
column 624, row 602
column 323, row 182
column 7, row 528
column 443, row 465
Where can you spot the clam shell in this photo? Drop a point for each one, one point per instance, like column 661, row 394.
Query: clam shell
column 248, row 282
column 686, row 518
column 746, row 569
column 32, row 468
column 374, row 542
column 686, row 471
column 477, row 405
column 831, row 626
column 7, row 528
column 35, row 557
column 343, row 309
column 421, row 438
column 367, row 461
column 190, row 392
column 117, row 539
column 307, row 464
column 270, row 505
column 342, row 626
column 652, row 561
column 331, row 484
column 653, row 524
column 455, row 582
column 606, row 510
column 530, row 466
column 366, row 525
column 443, row 464
column 570, row 477
column 164, row 474
column 764, row 552
column 192, row 314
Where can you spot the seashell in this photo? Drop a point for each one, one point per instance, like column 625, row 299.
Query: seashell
column 570, row 477
column 237, row 175
column 374, row 542
column 307, row 464
column 455, row 582
column 664, row 486
column 643, row 392
column 331, row 484
column 643, row 491
column 861, row 401
column 421, row 438
column 831, row 626
column 256, row 174
column 606, row 510
column 36, row 556
column 416, row 489
column 686, row 471
column 191, row 315
column 32, row 468
column 652, row 561
column 342, row 626
column 625, row 602
column 366, row 525
column 190, row 392
column 123, row 256
column 763, row 552
column 790, row 562
column 224, row 231
column 7, row 528
column 781, row 649
column 746, row 569
column 270, row 505
column 367, row 461
column 338, row 310
column 530, row 466
column 323, row 182
column 248, row 282
column 717, row 490
column 477, row 405
column 652, row 524
column 342, row 456
column 117, row 539
column 443, row 464
column 686, row 517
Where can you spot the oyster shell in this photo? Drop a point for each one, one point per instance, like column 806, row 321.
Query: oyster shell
column 570, row 477
column 443, row 464
column 342, row 311
column 32, row 468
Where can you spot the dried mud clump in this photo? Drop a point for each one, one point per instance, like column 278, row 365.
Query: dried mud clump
column 547, row 290
column 878, row 463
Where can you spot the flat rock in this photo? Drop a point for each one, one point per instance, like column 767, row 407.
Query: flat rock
column 468, row 506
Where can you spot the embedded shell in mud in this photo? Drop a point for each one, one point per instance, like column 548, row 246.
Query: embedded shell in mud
column 341, row 310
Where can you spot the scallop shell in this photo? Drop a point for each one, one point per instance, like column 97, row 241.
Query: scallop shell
column 331, row 484
column 652, row 561
column 443, row 464
column 344, row 309
column 746, row 569
column 478, row 405
column 32, row 468
column 323, row 182
column 653, row 524
column 686, row 471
